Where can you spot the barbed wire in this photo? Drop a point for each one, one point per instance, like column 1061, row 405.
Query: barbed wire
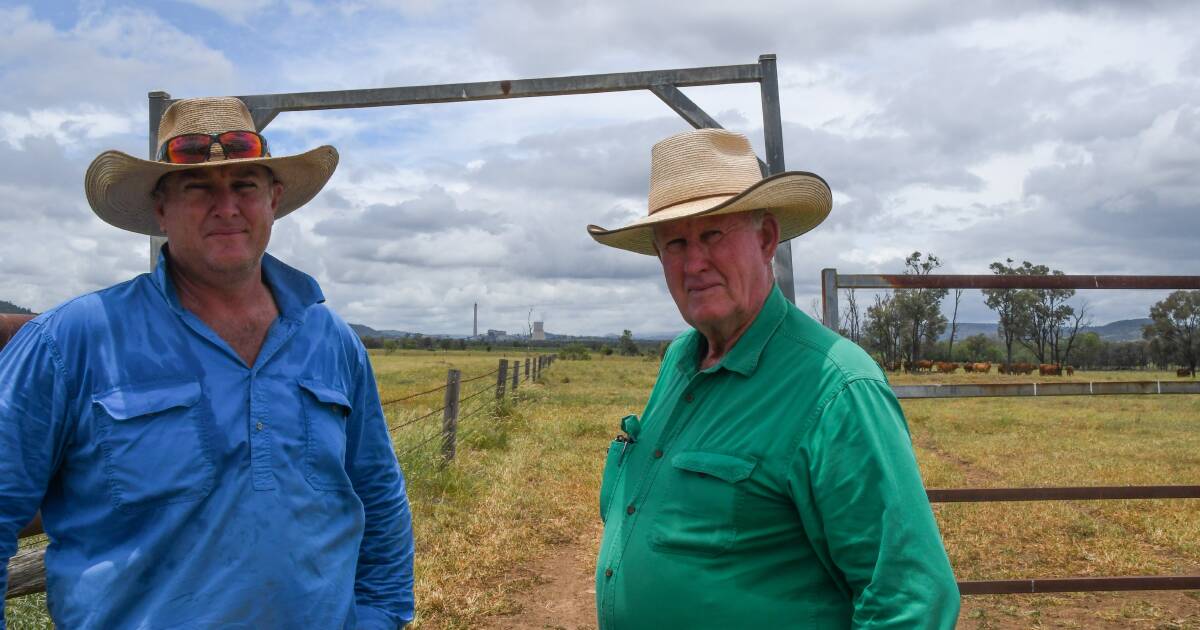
column 476, row 378
column 411, row 396
column 486, row 388
column 401, row 425
column 422, row 443
column 435, row 389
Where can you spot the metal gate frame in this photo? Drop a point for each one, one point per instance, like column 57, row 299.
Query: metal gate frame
column 831, row 281
column 664, row 84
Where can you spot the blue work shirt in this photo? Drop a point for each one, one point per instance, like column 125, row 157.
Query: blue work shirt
column 181, row 488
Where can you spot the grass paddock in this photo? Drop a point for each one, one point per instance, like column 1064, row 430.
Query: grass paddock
column 527, row 476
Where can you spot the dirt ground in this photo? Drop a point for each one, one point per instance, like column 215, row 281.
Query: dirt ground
column 561, row 596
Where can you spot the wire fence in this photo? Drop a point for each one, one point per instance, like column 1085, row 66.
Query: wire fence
column 27, row 572
column 508, row 379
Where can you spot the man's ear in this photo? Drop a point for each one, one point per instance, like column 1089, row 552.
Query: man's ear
column 768, row 236
column 160, row 209
column 276, row 195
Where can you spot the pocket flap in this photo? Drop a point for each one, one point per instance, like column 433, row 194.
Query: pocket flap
column 729, row 468
column 131, row 401
column 326, row 394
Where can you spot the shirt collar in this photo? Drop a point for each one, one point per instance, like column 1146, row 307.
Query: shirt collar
column 292, row 289
column 743, row 356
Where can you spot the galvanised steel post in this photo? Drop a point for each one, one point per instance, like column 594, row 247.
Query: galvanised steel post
column 158, row 104
column 773, row 135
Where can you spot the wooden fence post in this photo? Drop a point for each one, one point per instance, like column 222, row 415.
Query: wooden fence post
column 516, row 375
column 527, row 368
column 450, row 416
column 535, row 368
column 501, row 378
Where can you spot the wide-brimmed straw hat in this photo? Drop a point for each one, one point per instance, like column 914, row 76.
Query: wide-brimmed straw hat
column 120, row 187
column 714, row 171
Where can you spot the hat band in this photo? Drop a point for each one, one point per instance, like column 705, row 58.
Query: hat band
column 692, row 199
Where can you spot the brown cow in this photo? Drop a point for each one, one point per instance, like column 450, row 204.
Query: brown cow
column 968, row 367
column 982, row 368
column 9, row 324
column 1049, row 369
column 1070, row 370
column 946, row 367
column 1026, row 368
column 1184, row 372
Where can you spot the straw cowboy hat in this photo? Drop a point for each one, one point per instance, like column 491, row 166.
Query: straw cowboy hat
column 714, row 171
column 119, row 186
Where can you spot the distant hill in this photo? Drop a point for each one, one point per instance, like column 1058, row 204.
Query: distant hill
column 1122, row 330
column 10, row 308
column 367, row 331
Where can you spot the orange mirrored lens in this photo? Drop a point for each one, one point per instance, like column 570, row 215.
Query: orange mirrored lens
column 241, row 144
column 194, row 148
column 188, row 149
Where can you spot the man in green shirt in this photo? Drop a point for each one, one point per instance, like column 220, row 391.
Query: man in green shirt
column 770, row 482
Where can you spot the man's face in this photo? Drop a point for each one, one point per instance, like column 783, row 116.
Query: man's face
column 717, row 268
column 218, row 220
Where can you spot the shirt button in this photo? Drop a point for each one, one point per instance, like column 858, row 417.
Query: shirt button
column 657, row 454
column 687, row 397
column 258, row 426
column 630, row 510
column 608, row 573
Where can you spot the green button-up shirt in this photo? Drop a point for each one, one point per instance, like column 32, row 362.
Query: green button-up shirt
column 776, row 489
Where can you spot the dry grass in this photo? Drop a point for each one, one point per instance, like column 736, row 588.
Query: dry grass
column 1065, row 441
column 526, row 480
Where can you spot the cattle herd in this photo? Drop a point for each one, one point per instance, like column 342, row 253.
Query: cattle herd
column 949, row 367
column 1043, row 369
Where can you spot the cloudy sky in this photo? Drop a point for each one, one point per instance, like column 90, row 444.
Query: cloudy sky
column 1063, row 133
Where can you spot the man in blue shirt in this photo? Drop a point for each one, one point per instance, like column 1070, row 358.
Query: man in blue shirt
column 205, row 442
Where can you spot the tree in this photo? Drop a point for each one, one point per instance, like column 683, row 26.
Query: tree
column 1078, row 318
column 853, row 328
column 920, row 309
column 979, row 348
column 883, row 330
column 953, row 325
column 627, row 346
column 1176, row 327
column 1011, row 305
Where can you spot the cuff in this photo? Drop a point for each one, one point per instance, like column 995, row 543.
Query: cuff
column 371, row 618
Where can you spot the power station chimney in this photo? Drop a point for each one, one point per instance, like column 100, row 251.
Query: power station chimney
column 475, row 326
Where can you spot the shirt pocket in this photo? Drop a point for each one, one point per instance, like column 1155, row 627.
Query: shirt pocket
column 612, row 470
column 701, row 495
column 326, row 411
column 155, row 444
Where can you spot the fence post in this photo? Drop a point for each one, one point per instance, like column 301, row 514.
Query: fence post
column 516, row 375
column 450, row 415
column 527, row 368
column 501, row 378
column 536, row 367
column 829, row 298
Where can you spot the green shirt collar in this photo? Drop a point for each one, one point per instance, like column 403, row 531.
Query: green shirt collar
column 743, row 356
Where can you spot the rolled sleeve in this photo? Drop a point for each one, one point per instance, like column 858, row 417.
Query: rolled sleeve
column 868, row 514
column 384, row 578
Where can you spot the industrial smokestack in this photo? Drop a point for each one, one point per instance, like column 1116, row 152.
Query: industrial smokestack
column 475, row 326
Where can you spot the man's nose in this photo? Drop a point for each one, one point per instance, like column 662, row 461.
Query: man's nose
column 224, row 200
column 695, row 258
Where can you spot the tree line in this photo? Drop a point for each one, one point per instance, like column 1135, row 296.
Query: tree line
column 1033, row 325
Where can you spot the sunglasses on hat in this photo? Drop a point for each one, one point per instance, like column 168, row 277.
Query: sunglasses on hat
column 194, row 148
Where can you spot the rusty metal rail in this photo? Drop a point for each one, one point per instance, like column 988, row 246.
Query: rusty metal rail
column 1080, row 584
column 1077, row 493
column 1091, row 388
column 831, row 281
